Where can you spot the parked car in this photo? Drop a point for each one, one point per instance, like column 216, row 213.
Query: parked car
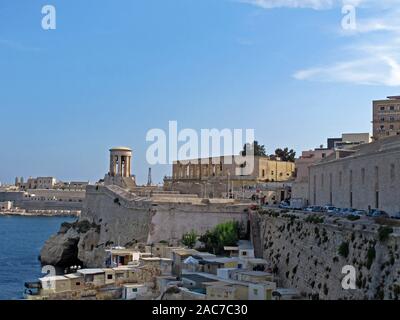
column 329, row 209
column 379, row 214
column 360, row 213
column 308, row 209
column 284, row 205
column 314, row 209
column 347, row 211
column 338, row 211
column 396, row 216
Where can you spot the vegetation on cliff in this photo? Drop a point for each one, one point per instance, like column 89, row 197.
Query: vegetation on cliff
column 384, row 233
column 189, row 239
column 344, row 249
column 225, row 234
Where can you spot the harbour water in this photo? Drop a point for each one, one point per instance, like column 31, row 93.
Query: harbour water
column 21, row 239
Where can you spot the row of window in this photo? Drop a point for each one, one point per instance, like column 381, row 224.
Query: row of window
column 391, row 127
column 273, row 173
column 390, row 108
column 391, row 119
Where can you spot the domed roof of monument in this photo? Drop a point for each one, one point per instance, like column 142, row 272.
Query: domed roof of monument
column 120, row 149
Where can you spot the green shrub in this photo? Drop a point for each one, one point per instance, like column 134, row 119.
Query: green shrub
column 353, row 217
column 189, row 239
column 225, row 234
column 315, row 219
column 384, row 233
column 344, row 249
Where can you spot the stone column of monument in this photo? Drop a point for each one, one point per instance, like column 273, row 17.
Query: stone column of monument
column 120, row 161
column 112, row 165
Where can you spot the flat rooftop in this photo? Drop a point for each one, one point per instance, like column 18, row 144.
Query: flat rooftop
column 91, row 271
column 198, row 278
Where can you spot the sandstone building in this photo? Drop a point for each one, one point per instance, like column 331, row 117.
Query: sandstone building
column 350, row 140
column 216, row 176
column 300, row 187
column 366, row 177
column 386, row 117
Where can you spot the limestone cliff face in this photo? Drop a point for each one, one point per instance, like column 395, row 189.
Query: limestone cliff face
column 61, row 250
column 119, row 218
column 309, row 254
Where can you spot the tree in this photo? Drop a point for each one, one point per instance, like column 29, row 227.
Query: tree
column 259, row 150
column 286, row 154
column 225, row 234
column 189, row 239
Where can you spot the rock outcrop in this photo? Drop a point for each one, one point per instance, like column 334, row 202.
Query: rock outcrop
column 62, row 249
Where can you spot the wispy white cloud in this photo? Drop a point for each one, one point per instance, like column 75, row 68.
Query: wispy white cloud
column 17, row 45
column 377, row 70
column 374, row 56
column 319, row 4
column 313, row 4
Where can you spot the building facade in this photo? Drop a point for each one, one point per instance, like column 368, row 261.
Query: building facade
column 263, row 170
column 219, row 176
column 349, row 140
column 367, row 177
column 38, row 183
column 386, row 117
column 300, row 188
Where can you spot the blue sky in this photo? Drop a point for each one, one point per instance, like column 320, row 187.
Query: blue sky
column 112, row 70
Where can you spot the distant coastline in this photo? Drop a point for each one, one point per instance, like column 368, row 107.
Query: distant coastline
column 40, row 214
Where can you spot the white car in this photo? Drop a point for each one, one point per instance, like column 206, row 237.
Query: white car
column 329, row 209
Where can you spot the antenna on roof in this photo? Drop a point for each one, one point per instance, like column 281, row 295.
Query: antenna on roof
column 149, row 180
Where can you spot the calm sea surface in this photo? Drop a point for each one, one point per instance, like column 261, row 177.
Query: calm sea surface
column 21, row 239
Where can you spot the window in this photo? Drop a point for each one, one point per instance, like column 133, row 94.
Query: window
column 78, row 284
column 263, row 173
column 382, row 108
column 255, row 291
column 392, row 108
column 244, row 253
column 109, row 277
column 134, row 289
column 382, row 119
